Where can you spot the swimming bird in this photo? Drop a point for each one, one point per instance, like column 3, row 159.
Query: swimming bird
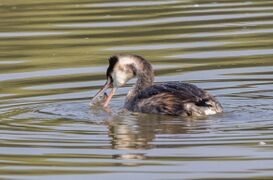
column 171, row 98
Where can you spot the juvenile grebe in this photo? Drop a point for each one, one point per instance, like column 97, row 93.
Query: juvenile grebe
column 173, row 98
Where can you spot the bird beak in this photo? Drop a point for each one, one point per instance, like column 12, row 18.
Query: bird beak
column 102, row 90
column 108, row 99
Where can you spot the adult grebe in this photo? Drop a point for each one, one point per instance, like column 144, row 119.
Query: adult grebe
column 173, row 98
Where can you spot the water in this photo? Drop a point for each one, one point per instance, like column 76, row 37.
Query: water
column 53, row 58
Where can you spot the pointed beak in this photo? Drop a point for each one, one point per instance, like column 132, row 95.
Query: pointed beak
column 101, row 91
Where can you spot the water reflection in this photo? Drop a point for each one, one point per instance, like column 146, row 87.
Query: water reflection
column 133, row 135
column 139, row 131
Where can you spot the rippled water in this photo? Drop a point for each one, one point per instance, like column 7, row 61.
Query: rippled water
column 53, row 58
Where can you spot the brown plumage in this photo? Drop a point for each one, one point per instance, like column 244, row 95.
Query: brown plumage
column 173, row 98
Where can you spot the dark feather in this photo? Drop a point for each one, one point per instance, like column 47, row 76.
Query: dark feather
column 112, row 62
column 175, row 98
column 183, row 91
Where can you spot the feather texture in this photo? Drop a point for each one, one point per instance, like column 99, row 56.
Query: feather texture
column 174, row 98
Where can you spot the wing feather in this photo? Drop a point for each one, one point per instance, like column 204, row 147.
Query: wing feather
column 173, row 98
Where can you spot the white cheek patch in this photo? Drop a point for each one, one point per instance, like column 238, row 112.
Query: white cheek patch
column 120, row 78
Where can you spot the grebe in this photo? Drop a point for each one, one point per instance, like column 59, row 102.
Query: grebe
column 172, row 98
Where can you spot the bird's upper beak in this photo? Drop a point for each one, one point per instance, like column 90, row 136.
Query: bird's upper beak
column 102, row 90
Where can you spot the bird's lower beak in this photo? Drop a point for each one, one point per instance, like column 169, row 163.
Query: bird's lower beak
column 102, row 90
column 108, row 99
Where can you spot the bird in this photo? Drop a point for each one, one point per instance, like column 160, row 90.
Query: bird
column 169, row 98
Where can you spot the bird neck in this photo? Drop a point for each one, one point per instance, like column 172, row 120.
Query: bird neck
column 145, row 78
column 143, row 81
